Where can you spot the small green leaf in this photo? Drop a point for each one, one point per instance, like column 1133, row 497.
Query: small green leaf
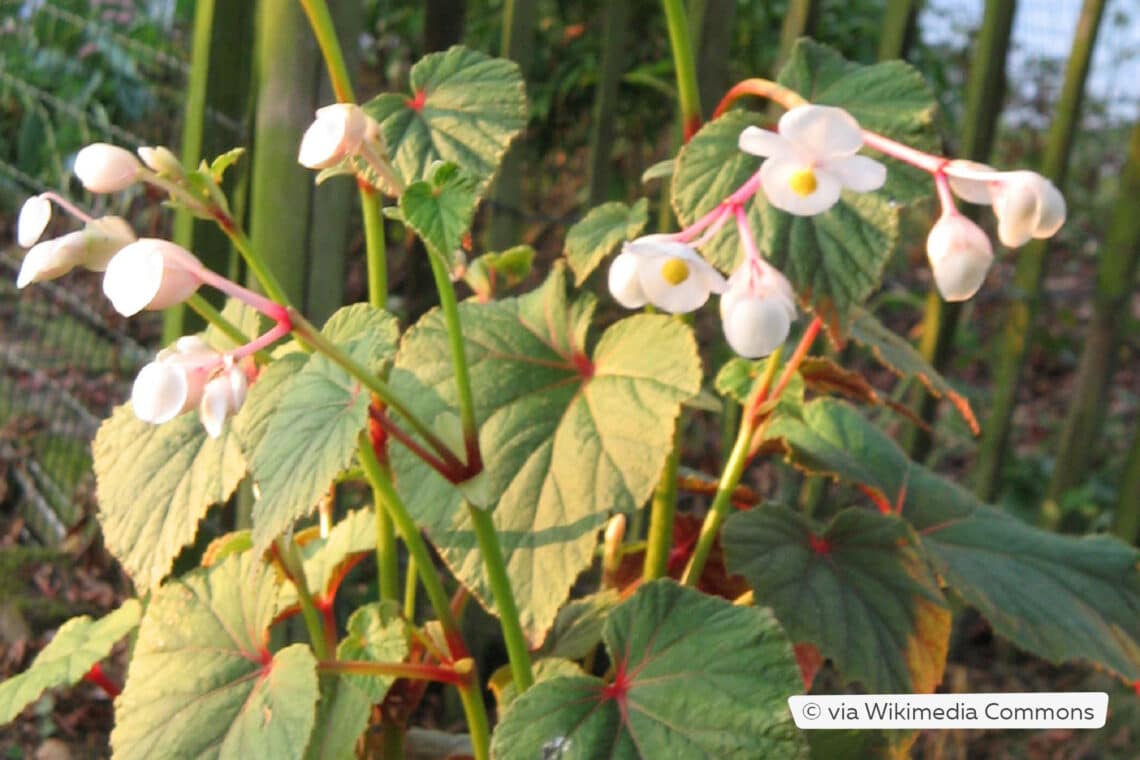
column 440, row 210
column 219, row 165
column 859, row 590
column 739, row 376
column 493, row 272
column 326, row 560
column 568, row 435
column 376, row 634
column 155, row 483
column 660, row 170
column 901, row 358
column 601, row 231
column 506, row 692
column 465, row 107
column 313, row 420
column 694, row 677
column 76, row 647
column 577, row 629
column 202, row 681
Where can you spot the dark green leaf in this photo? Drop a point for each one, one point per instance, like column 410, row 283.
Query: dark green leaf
column 440, row 209
column 859, row 590
column 694, row 677
column 577, row 629
column 375, row 633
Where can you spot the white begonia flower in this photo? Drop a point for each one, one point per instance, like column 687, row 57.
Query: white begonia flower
column 34, row 217
column 757, row 310
column 175, row 381
column 104, row 168
column 222, row 398
column 668, row 274
column 161, row 161
column 811, row 159
column 91, row 247
column 151, row 274
column 335, row 135
column 960, row 255
column 1027, row 205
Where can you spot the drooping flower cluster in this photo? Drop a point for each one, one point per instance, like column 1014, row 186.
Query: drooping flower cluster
column 145, row 274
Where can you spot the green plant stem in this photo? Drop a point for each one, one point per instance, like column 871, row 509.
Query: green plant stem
column 659, row 542
column 500, row 583
column 206, row 311
column 375, row 247
column 290, row 560
column 387, row 566
column 799, row 20
column 321, row 22
column 1029, row 275
column 390, row 501
column 410, row 591
column 264, row 276
column 730, row 477
column 898, row 29
column 681, row 44
column 1126, row 516
column 477, row 725
column 450, row 308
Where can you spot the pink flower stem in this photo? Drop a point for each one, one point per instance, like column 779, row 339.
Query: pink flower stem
column 715, row 219
column 751, row 252
column 925, row 161
column 945, row 195
column 68, row 206
column 269, row 308
column 271, row 336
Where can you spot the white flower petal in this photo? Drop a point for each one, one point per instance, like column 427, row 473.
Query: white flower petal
column 624, row 282
column 34, row 217
column 150, row 274
column 775, row 177
column 960, row 255
column 104, row 168
column 161, row 161
column 334, row 136
column 160, row 392
column 1051, row 210
column 763, row 142
column 104, row 238
column 51, row 259
column 215, row 405
column 756, row 327
column 685, row 296
column 972, row 190
column 857, row 173
column 824, row 131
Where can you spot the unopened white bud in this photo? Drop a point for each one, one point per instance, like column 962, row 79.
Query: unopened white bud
column 757, row 310
column 104, row 168
column 221, row 399
column 335, row 135
column 34, row 217
column 175, row 382
column 960, row 255
column 1027, row 206
column 161, row 161
column 151, row 274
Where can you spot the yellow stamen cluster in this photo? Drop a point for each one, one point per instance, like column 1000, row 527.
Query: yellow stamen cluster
column 674, row 271
column 803, row 182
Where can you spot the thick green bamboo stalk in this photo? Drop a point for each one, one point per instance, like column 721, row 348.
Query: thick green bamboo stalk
column 1015, row 339
column 300, row 229
column 1126, row 517
column 1116, row 271
column 605, row 100
column 984, row 94
column 519, row 19
column 898, row 29
column 799, row 20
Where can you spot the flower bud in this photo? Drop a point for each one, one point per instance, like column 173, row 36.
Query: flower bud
column 960, row 255
column 34, row 217
column 151, row 274
column 221, row 399
column 624, row 282
column 91, row 248
column 161, row 161
column 757, row 310
column 335, row 135
column 1027, row 206
column 104, row 168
